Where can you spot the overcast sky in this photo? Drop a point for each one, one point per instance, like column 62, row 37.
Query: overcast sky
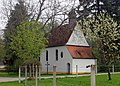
column 1, row 25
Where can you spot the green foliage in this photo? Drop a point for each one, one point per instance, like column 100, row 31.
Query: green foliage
column 2, row 51
column 29, row 41
column 18, row 15
column 106, row 30
column 103, row 28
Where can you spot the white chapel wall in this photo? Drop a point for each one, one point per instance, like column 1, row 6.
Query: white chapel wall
column 81, row 64
column 61, row 64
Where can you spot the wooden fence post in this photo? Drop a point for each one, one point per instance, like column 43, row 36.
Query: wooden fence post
column 36, row 76
column 19, row 74
column 54, row 75
column 96, row 66
column 39, row 72
column 113, row 68
column 25, row 75
column 76, row 70
column 93, row 77
column 30, row 71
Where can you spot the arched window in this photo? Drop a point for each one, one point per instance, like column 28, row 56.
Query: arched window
column 46, row 55
column 56, row 54
column 61, row 54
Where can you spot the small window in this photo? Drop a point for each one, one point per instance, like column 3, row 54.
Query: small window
column 61, row 54
column 56, row 54
column 39, row 58
column 46, row 55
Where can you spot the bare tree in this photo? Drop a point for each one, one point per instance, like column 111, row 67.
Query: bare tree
column 46, row 11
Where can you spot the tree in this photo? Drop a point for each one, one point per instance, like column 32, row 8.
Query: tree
column 18, row 15
column 96, row 6
column 111, row 7
column 48, row 12
column 107, row 31
column 86, row 8
column 42, row 10
column 31, row 45
column 2, row 52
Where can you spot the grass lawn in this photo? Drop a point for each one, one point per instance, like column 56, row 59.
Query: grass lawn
column 10, row 74
column 15, row 74
column 102, row 80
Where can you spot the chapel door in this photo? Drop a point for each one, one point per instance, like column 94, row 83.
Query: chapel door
column 68, row 67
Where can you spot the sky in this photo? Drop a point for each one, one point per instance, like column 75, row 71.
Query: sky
column 1, row 25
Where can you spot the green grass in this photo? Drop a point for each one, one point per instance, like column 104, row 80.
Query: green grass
column 102, row 80
column 15, row 74
column 8, row 74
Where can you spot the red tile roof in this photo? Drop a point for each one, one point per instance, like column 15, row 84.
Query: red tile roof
column 80, row 52
column 60, row 35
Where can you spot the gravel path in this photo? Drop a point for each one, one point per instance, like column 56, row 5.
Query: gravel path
column 8, row 79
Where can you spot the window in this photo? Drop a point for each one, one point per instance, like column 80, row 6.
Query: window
column 39, row 58
column 61, row 54
column 56, row 54
column 46, row 55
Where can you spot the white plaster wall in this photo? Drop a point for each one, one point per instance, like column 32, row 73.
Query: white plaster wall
column 61, row 64
column 81, row 64
column 77, row 38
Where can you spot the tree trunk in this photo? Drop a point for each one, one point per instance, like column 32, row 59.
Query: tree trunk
column 98, row 6
column 33, row 70
column 109, row 75
column 30, row 70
